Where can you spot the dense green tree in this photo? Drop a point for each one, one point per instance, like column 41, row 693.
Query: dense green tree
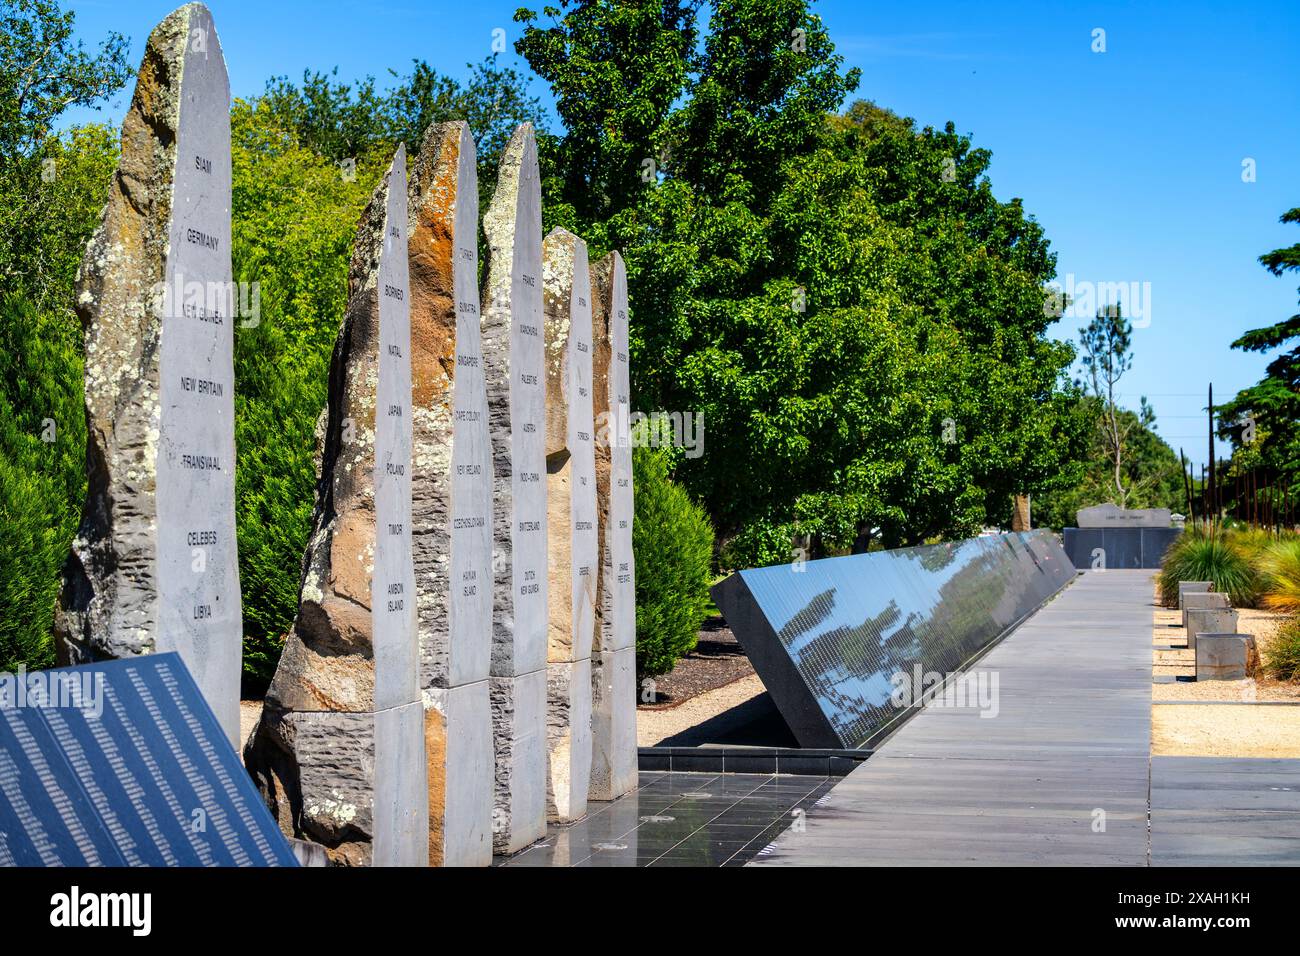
column 858, row 318
column 1264, row 420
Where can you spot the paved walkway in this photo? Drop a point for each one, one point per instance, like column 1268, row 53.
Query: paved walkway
column 1059, row 776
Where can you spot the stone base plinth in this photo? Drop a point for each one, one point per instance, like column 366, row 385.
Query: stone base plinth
column 519, row 742
column 458, row 742
column 613, row 724
column 568, row 740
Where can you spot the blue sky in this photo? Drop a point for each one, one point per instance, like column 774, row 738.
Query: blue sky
column 1131, row 159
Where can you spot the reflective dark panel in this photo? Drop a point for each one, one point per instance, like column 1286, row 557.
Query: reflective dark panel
column 828, row 637
column 131, row 769
column 1116, row 548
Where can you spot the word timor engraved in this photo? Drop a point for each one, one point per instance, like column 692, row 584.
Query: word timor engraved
column 571, row 523
column 451, row 521
column 339, row 753
column 613, row 658
column 154, row 566
column 516, row 390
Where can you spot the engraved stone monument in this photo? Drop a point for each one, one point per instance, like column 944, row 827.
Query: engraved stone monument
column 1111, row 515
column 451, row 481
column 571, row 523
column 154, row 566
column 340, row 750
column 515, row 371
column 613, row 657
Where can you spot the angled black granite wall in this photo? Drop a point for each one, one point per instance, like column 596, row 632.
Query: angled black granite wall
column 828, row 637
column 1119, row 547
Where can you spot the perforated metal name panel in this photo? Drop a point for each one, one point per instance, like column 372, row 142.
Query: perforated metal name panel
column 830, row 638
column 124, row 764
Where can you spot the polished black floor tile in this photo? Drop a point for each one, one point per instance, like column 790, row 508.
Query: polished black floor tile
column 681, row 819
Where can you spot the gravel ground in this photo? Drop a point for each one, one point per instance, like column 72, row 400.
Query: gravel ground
column 716, row 662
column 1231, row 730
column 1225, row 731
column 656, row 724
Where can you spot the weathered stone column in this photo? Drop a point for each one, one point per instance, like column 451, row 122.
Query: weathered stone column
column 571, row 523
column 613, row 657
column 451, row 520
column 339, row 752
column 515, row 371
column 154, row 566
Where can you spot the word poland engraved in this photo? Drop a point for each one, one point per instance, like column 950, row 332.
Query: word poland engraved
column 515, row 371
column 613, row 659
column 451, row 520
column 571, row 523
column 339, row 753
column 154, row 567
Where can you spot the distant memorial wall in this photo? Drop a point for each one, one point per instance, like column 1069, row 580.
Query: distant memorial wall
column 339, row 753
column 1111, row 537
column 515, row 374
column 154, row 566
column 452, row 497
column 613, row 656
column 571, row 522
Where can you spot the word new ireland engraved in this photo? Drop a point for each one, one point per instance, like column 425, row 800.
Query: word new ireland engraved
column 451, row 517
column 154, row 565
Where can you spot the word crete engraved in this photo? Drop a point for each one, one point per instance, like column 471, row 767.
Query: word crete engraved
column 339, row 753
column 154, row 566
column 124, row 764
column 571, row 523
column 451, row 519
column 613, row 658
column 514, row 372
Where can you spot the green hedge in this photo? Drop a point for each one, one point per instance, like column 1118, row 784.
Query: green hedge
column 672, row 540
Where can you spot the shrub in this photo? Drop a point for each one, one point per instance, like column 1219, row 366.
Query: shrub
column 1282, row 658
column 42, row 473
column 1279, row 570
column 672, row 540
column 1198, row 556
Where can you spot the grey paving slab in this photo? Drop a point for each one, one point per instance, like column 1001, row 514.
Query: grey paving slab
column 1056, row 774
column 1215, row 811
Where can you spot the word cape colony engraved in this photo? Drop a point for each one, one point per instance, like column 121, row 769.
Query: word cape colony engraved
column 154, row 565
column 451, row 534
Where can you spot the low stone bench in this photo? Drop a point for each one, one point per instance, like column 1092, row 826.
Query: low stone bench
column 1209, row 620
column 1225, row 656
column 1192, row 587
column 1203, row 600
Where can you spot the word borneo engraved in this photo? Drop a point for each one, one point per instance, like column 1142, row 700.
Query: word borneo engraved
column 154, row 567
column 515, row 372
column 613, row 657
column 571, row 523
column 451, row 518
column 340, row 750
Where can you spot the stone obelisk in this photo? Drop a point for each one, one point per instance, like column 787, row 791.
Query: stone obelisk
column 515, row 374
column 154, row 566
column 452, row 497
column 339, row 753
column 571, row 523
column 613, row 657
